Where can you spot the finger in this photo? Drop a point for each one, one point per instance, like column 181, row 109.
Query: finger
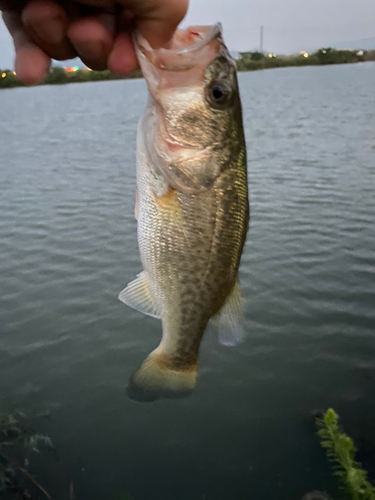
column 31, row 63
column 47, row 23
column 12, row 5
column 156, row 20
column 92, row 8
column 122, row 59
column 92, row 38
column 102, row 4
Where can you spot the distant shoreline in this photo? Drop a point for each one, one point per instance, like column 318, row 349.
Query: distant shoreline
column 246, row 61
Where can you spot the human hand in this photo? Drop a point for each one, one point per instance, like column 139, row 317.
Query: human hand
column 97, row 31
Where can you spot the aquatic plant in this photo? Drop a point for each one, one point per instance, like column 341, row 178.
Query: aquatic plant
column 316, row 495
column 341, row 451
column 15, row 435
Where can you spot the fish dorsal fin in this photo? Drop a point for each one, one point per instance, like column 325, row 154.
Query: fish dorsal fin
column 229, row 319
column 137, row 295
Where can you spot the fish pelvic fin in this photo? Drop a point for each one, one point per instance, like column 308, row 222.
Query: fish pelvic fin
column 158, row 378
column 228, row 320
column 137, row 295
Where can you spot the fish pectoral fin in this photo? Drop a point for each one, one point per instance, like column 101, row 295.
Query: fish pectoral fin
column 228, row 320
column 137, row 295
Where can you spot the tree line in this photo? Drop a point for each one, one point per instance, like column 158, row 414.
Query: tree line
column 60, row 76
column 248, row 61
column 245, row 61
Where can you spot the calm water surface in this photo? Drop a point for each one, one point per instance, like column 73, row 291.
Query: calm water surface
column 68, row 246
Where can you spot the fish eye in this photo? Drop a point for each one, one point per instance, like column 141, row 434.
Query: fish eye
column 219, row 93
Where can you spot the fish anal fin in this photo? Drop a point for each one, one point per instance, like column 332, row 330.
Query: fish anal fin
column 229, row 319
column 137, row 295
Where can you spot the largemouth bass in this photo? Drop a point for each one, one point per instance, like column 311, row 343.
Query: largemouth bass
column 192, row 206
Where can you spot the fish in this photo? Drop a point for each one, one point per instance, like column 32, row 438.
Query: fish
column 192, row 206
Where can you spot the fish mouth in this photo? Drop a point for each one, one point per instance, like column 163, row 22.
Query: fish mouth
column 182, row 65
column 189, row 47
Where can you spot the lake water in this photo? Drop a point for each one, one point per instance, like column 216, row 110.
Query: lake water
column 68, row 246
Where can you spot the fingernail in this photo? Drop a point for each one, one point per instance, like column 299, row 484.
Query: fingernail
column 51, row 32
column 90, row 50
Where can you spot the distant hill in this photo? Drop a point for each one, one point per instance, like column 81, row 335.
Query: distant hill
column 364, row 44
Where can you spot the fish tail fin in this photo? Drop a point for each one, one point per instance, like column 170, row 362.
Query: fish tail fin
column 158, row 378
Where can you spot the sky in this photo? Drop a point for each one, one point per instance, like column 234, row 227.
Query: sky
column 289, row 25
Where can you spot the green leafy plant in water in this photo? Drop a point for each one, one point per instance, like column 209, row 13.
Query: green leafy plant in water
column 340, row 450
column 14, row 435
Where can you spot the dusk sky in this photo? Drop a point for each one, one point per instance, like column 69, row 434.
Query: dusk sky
column 289, row 25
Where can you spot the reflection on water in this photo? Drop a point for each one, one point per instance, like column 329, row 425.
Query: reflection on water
column 68, row 246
